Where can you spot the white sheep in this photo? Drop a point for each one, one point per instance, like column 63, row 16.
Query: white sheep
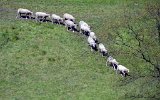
column 24, row 12
column 41, row 16
column 112, row 62
column 67, row 16
column 83, row 23
column 85, row 30
column 123, row 70
column 92, row 34
column 56, row 19
column 92, row 44
column 102, row 49
column 70, row 25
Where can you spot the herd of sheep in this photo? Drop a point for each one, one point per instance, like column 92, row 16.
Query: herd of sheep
column 69, row 22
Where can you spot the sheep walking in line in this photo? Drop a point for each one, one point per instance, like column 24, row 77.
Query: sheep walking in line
column 70, row 25
column 56, row 19
column 92, row 34
column 24, row 13
column 123, row 70
column 112, row 62
column 84, row 23
column 41, row 16
column 102, row 50
column 84, row 30
column 92, row 44
column 69, row 21
column 67, row 16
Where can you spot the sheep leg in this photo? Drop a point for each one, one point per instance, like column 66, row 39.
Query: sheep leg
column 103, row 54
column 52, row 21
column 126, row 74
column 86, row 33
column 91, row 49
column 55, row 21
column 17, row 15
column 42, row 19
column 113, row 66
column 123, row 73
column 26, row 16
column 80, row 31
column 73, row 29
column 95, row 48
column 45, row 19
column 65, row 24
column 67, row 28
column 58, row 21
column 20, row 15
column 36, row 19
column 30, row 16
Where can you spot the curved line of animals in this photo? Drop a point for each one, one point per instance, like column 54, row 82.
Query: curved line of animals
column 69, row 21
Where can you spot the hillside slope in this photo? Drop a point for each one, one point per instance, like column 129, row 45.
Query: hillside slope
column 45, row 61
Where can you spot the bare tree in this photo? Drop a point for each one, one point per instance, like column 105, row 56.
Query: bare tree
column 144, row 29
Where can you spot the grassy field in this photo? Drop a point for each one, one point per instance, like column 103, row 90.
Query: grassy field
column 43, row 61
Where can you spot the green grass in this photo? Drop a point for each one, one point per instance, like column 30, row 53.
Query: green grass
column 43, row 61
column 48, row 62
